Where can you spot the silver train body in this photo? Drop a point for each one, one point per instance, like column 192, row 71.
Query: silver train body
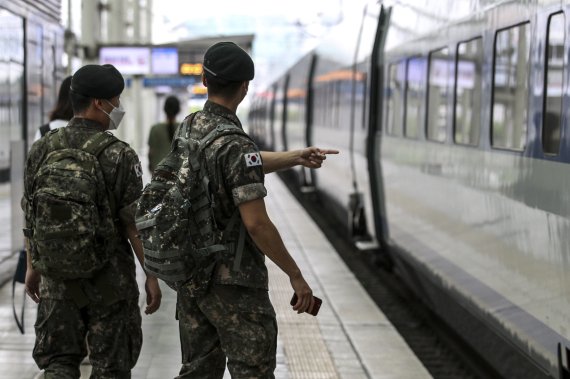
column 454, row 133
column 31, row 70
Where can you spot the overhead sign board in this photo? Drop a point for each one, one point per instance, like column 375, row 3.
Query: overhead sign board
column 164, row 60
column 173, row 81
column 191, row 69
column 129, row 60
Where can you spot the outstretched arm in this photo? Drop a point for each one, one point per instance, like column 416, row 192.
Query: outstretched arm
column 310, row 157
column 267, row 238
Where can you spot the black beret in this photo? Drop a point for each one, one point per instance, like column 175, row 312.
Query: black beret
column 99, row 82
column 228, row 61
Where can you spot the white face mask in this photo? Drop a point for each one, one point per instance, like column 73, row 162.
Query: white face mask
column 116, row 115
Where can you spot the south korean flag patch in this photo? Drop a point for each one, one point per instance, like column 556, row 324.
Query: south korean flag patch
column 252, row 159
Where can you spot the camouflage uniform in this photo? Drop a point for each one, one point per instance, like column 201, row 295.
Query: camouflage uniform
column 103, row 309
column 235, row 319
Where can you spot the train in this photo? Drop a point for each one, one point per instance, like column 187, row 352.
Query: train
column 31, row 69
column 452, row 118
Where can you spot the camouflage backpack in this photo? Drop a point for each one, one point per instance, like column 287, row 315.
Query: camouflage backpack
column 72, row 209
column 175, row 214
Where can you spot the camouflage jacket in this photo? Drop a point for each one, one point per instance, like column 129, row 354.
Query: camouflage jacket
column 234, row 182
column 123, row 174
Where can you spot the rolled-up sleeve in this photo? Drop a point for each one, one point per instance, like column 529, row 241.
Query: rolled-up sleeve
column 248, row 192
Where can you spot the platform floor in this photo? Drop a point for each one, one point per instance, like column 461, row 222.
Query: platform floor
column 350, row 338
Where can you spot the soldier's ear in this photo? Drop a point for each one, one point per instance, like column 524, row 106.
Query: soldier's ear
column 97, row 103
column 204, row 81
column 101, row 105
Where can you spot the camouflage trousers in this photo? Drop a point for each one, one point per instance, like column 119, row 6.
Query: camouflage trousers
column 229, row 321
column 113, row 334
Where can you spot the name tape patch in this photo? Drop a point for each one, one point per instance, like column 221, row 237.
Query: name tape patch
column 252, row 159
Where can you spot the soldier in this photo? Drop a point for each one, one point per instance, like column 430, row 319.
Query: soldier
column 235, row 319
column 100, row 313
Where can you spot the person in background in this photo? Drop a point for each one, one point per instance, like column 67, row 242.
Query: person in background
column 161, row 134
column 61, row 114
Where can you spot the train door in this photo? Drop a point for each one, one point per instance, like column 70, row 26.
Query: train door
column 375, row 129
column 271, row 123
column 284, row 110
column 360, row 209
column 308, row 175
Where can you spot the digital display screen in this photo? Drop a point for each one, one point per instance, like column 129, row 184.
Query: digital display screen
column 129, row 60
column 164, row 60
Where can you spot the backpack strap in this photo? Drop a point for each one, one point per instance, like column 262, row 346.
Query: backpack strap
column 184, row 128
column 44, row 129
column 20, row 277
column 59, row 139
column 99, row 142
column 241, row 239
column 95, row 145
column 219, row 131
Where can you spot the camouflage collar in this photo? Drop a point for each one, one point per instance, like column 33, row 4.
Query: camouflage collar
column 222, row 111
column 85, row 123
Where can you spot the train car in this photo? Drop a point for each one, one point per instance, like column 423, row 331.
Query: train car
column 259, row 115
column 277, row 115
column 463, row 164
column 339, row 110
column 31, row 50
column 323, row 100
column 474, row 154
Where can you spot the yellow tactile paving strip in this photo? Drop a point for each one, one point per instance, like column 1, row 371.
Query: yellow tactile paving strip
column 306, row 353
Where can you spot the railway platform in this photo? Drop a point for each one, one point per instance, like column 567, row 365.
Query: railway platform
column 350, row 338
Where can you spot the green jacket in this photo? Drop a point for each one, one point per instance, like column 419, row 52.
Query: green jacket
column 159, row 141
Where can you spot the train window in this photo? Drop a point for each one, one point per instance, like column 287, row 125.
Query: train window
column 510, row 87
column 415, row 96
column 393, row 99
column 35, row 64
column 468, row 80
column 440, row 74
column 553, row 82
column 12, row 104
column 364, row 97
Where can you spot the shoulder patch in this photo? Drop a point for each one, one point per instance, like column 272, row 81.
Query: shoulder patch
column 138, row 169
column 252, row 159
